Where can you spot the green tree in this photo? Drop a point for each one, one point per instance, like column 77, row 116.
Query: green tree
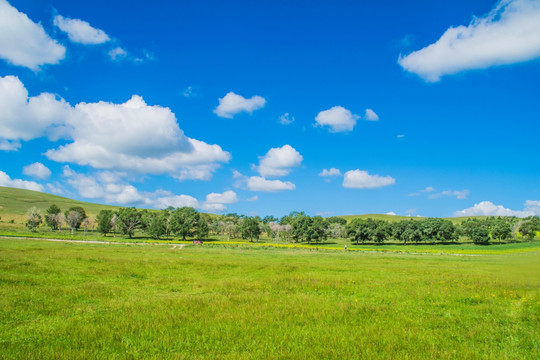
column 52, row 218
column 250, row 229
column 502, row 230
column 128, row 221
column 104, row 219
column 203, row 228
column 528, row 229
column 359, row 230
column 184, row 222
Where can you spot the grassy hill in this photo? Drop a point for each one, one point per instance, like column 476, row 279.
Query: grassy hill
column 15, row 203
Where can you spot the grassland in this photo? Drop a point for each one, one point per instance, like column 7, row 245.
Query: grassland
column 14, row 203
column 121, row 301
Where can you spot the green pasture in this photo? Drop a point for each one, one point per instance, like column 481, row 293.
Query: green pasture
column 61, row 300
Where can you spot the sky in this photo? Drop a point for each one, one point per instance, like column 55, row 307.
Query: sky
column 419, row 108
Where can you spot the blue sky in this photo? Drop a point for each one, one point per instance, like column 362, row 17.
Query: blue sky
column 331, row 107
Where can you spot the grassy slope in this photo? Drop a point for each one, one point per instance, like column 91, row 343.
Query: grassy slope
column 16, row 202
column 119, row 301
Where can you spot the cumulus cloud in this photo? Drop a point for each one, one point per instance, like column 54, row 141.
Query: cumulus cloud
column 80, row 31
column 487, row 208
column 361, row 179
column 371, row 115
column 132, row 136
column 37, row 170
column 6, row 180
column 112, row 188
column 338, row 119
column 509, row 34
column 330, row 172
column 227, row 197
column 279, row 161
column 391, row 213
column 258, row 183
column 25, row 118
column 25, row 43
column 286, row 119
column 232, row 104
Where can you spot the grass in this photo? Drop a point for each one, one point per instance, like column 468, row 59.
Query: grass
column 14, row 203
column 215, row 302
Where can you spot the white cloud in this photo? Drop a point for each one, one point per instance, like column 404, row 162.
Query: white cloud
column 253, row 198
column 117, row 53
column 25, row 118
column 279, row 161
column 400, row 136
column 37, row 170
column 136, row 137
column 176, row 201
column 286, row 119
column 371, row 115
column 6, row 180
column 391, row 213
column 487, row 208
column 258, row 183
column 132, row 136
column 360, row 179
column 232, row 104
column 25, row 43
column 338, row 119
column 509, row 34
column 80, row 31
column 330, row 172
column 227, row 197
column 6, row 145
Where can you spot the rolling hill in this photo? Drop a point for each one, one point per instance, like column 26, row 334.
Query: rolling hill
column 16, row 202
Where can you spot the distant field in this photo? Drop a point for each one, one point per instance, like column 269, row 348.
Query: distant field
column 120, row 301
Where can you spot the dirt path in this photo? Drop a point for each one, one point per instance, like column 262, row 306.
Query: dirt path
column 174, row 246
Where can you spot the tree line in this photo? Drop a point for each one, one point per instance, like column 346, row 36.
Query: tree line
column 297, row 227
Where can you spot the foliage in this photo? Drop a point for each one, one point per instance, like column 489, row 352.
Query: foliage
column 129, row 220
column 34, row 219
column 104, row 220
column 53, row 218
column 184, row 222
column 250, row 229
column 73, row 220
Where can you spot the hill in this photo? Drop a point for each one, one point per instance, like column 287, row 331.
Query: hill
column 16, row 202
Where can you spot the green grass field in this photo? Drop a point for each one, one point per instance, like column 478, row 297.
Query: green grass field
column 213, row 302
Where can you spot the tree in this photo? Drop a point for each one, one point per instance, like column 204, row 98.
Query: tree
column 316, row 229
column 82, row 216
column 359, row 230
column 480, row 234
column 51, row 217
column 34, row 219
column 250, row 229
column 502, row 230
column 104, row 219
column 74, row 219
column 202, row 227
column 128, row 221
column 156, row 224
column 184, row 222
column 527, row 229
column 336, row 220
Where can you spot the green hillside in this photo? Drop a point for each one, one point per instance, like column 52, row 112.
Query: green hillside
column 16, row 202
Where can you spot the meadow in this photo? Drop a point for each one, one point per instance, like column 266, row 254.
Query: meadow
column 62, row 300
